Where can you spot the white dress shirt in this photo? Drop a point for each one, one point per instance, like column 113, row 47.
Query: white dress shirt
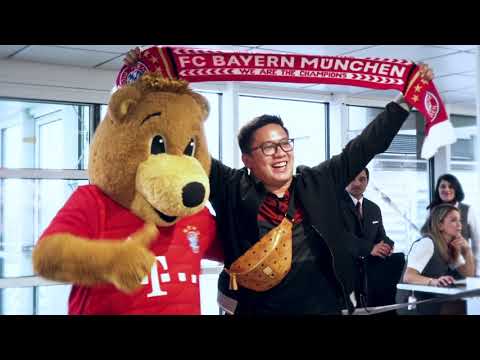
column 422, row 252
column 355, row 201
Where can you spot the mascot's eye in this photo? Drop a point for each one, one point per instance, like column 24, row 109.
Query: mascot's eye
column 190, row 149
column 159, row 145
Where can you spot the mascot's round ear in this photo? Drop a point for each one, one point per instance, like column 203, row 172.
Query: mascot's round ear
column 122, row 101
column 203, row 102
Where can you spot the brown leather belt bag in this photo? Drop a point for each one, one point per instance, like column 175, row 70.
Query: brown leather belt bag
column 268, row 261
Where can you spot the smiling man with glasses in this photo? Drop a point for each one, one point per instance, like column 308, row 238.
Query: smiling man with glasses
column 286, row 249
column 268, row 152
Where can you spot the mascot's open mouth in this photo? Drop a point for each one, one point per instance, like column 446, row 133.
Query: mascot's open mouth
column 166, row 218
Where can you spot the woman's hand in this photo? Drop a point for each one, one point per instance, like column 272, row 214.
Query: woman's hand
column 460, row 245
column 442, row 281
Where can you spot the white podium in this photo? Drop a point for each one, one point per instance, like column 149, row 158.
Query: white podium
column 471, row 283
column 473, row 304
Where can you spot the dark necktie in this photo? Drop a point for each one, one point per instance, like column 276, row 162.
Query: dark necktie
column 359, row 210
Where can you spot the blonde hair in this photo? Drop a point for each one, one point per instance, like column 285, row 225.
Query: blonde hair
column 432, row 228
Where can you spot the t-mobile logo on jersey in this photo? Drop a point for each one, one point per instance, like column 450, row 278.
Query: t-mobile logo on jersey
column 164, row 277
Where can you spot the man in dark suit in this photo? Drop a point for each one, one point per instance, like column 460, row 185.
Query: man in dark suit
column 378, row 271
column 364, row 219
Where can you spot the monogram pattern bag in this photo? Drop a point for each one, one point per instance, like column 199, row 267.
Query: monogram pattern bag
column 268, row 261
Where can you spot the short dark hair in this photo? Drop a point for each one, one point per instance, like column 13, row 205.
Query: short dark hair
column 459, row 194
column 245, row 135
column 367, row 172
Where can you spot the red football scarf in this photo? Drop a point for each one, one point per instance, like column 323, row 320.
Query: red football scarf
column 196, row 65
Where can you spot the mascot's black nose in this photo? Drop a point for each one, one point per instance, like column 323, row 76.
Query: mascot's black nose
column 193, row 194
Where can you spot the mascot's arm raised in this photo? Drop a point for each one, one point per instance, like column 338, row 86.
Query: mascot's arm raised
column 70, row 249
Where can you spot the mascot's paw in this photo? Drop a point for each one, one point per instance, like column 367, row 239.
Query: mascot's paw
column 132, row 260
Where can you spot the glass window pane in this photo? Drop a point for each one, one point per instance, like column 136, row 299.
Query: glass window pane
column 28, row 206
column 208, row 294
column 103, row 111
column 35, row 135
column 304, row 120
column 41, row 300
column 52, row 300
column 50, row 152
column 399, row 182
column 17, row 301
column 463, row 163
column 11, row 146
column 48, row 136
column 208, row 282
column 212, row 124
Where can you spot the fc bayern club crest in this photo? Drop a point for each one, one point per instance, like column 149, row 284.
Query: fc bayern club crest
column 130, row 74
column 432, row 105
column 193, row 236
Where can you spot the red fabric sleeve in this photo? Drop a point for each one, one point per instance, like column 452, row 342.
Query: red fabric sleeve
column 79, row 216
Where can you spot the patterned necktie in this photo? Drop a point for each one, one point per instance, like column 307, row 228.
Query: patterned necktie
column 359, row 210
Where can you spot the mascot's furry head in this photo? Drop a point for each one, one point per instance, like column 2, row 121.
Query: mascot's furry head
column 149, row 153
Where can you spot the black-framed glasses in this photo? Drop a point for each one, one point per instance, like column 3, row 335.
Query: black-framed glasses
column 269, row 148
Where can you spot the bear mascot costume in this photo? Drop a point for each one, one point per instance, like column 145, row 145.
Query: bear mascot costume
column 131, row 241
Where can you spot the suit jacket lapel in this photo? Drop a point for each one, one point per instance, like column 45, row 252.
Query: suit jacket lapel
column 366, row 215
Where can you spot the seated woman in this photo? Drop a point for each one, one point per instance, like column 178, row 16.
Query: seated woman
column 440, row 257
column 449, row 190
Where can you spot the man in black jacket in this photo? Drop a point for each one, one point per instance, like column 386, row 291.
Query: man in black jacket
column 377, row 272
column 252, row 201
